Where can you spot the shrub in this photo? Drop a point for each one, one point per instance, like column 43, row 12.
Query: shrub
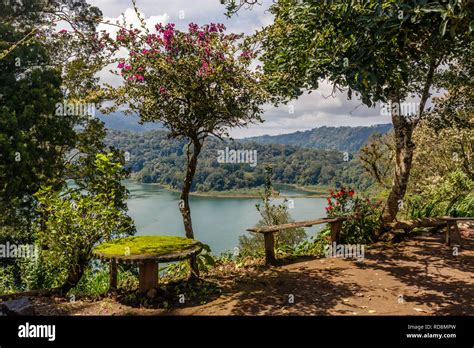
column 73, row 221
column 364, row 216
column 271, row 214
column 451, row 195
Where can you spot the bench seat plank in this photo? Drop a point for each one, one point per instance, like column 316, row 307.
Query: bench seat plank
column 308, row 223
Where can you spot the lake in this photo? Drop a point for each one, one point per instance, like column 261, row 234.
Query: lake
column 217, row 222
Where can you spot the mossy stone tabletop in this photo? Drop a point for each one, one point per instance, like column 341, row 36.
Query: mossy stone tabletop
column 147, row 252
column 148, row 248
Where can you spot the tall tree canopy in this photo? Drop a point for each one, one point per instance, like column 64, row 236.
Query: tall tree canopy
column 385, row 51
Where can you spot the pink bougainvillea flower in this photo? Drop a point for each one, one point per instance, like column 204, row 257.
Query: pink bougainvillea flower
column 245, row 54
column 127, row 67
column 163, row 90
column 121, row 65
column 120, row 38
column 62, row 31
column 139, row 77
column 131, row 78
column 193, row 28
column 212, row 28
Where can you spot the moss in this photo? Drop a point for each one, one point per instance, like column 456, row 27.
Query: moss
column 145, row 245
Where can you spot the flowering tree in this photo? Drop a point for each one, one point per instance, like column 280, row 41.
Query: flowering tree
column 196, row 83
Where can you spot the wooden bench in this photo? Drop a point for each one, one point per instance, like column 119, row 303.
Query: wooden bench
column 452, row 229
column 451, row 224
column 268, row 233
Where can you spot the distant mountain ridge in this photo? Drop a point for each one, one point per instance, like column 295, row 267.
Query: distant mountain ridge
column 120, row 122
column 345, row 138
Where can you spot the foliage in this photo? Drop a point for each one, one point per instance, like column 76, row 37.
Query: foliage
column 7, row 280
column 440, row 152
column 364, row 216
column 314, row 245
column 44, row 272
column 447, row 196
column 29, row 88
column 95, row 281
column 271, row 214
column 179, row 270
column 72, row 221
column 34, row 139
column 377, row 157
column 372, row 47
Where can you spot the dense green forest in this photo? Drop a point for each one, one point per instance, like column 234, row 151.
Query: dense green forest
column 334, row 138
column 154, row 158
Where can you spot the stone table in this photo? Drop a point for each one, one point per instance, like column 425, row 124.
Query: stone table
column 146, row 252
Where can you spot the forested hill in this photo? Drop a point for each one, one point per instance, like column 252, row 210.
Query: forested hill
column 335, row 138
column 155, row 158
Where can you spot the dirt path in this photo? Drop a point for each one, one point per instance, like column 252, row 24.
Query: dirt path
column 417, row 277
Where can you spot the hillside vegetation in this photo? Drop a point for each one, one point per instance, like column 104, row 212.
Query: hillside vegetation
column 348, row 139
column 154, row 158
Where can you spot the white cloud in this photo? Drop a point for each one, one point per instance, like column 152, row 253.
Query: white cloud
column 131, row 20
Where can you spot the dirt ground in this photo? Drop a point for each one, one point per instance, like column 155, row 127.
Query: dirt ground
column 416, row 277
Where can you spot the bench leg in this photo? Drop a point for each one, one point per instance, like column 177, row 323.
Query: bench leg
column 113, row 275
column 448, row 233
column 148, row 276
column 269, row 248
column 336, row 228
column 458, row 234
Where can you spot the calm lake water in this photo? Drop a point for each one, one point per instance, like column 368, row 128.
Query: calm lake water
column 217, row 222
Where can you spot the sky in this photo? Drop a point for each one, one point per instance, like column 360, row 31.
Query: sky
column 309, row 111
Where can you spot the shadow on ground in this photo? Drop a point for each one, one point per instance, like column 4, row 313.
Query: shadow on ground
column 423, row 265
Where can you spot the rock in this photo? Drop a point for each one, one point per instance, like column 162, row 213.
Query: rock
column 21, row 306
column 152, row 293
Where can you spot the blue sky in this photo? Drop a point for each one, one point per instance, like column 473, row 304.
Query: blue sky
column 309, row 111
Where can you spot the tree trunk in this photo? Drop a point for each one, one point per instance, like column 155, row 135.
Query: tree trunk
column 192, row 159
column 404, row 147
column 75, row 273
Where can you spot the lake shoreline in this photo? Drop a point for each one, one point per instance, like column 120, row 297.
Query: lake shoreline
column 253, row 194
